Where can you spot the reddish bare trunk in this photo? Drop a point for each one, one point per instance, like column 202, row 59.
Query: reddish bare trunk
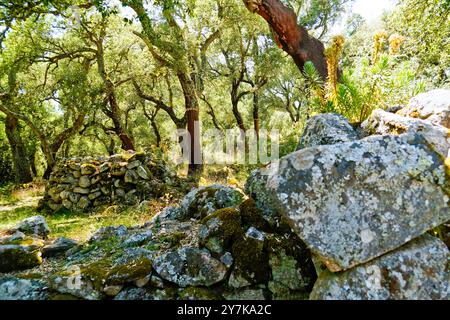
column 291, row 37
column 192, row 116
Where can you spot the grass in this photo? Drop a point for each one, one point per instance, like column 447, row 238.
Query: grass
column 80, row 226
column 20, row 202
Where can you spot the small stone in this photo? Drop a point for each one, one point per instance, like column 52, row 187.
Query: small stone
column 88, row 169
column 94, row 195
column 74, row 197
column 84, row 203
column 67, row 204
column 141, row 172
column 227, row 259
column 84, row 182
column 81, row 190
column 112, row 291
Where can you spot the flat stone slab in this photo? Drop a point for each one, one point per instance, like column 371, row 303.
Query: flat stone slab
column 355, row 201
column 417, row 271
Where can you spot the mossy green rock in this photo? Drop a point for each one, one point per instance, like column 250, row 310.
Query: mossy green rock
column 17, row 257
column 203, row 201
column 220, row 229
column 251, row 261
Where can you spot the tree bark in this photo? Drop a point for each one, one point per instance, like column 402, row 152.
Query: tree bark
column 291, row 37
column 114, row 113
column 22, row 173
column 255, row 112
column 192, row 117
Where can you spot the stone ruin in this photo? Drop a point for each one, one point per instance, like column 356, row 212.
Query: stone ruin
column 82, row 184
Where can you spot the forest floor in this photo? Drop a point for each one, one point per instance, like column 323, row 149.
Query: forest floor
column 19, row 204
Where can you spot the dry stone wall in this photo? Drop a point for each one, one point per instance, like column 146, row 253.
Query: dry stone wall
column 81, row 184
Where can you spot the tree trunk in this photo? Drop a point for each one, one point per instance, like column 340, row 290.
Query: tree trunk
column 192, row 116
column 125, row 138
column 22, row 173
column 256, row 114
column 291, row 37
column 114, row 113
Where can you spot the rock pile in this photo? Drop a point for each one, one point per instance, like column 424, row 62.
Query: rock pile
column 215, row 245
column 24, row 246
column 362, row 207
column 82, row 184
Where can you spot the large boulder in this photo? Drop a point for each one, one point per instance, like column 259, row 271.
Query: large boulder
column 432, row 106
column 354, row 201
column 189, row 266
column 384, row 123
column 324, row 129
column 416, row 271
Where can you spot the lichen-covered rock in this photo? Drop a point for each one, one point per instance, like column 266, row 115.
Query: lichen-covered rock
column 190, row 267
column 416, row 271
column 58, row 247
column 326, row 129
column 355, row 201
column 196, row 294
column 220, row 229
column 384, row 123
column 432, row 106
column 131, row 265
column 144, row 294
column 108, row 232
column 12, row 288
column 246, row 294
column 292, row 269
column 34, row 226
column 72, row 282
column 18, row 257
column 256, row 188
column 201, row 202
